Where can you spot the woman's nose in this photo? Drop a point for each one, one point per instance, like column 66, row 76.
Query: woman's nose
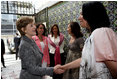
column 79, row 17
column 34, row 26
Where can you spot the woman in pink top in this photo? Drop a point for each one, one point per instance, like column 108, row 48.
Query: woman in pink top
column 42, row 43
column 99, row 55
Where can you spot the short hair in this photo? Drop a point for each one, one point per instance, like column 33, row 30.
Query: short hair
column 22, row 22
column 37, row 26
column 95, row 14
column 75, row 29
column 58, row 33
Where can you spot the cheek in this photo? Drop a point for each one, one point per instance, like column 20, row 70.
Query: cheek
column 85, row 23
column 52, row 29
column 69, row 31
column 38, row 30
column 55, row 30
column 42, row 29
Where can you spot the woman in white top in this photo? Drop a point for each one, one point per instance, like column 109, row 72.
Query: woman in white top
column 56, row 45
column 99, row 55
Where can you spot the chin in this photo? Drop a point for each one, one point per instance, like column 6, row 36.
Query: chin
column 34, row 34
column 68, row 33
column 83, row 26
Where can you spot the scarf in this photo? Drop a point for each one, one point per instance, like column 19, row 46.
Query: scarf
column 57, row 56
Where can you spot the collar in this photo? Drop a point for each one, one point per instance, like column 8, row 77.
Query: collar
column 37, row 38
column 25, row 38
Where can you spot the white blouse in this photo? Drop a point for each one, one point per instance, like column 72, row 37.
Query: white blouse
column 89, row 67
column 42, row 46
column 55, row 41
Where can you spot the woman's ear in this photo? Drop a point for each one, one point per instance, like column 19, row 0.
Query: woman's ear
column 23, row 29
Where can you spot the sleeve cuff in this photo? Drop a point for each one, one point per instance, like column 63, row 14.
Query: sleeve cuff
column 49, row 71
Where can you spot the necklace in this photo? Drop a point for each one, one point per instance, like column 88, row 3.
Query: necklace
column 41, row 38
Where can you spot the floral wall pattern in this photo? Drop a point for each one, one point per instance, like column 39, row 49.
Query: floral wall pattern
column 67, row 11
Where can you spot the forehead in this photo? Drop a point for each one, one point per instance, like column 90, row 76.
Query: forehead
column 41, row 26
column 55, row 27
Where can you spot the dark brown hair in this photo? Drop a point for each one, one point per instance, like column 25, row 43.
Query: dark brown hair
column 37, row 26
column 75, row 29
column 95, row 14
column 58, row 33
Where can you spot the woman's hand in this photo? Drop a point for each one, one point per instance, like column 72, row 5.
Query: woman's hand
column 58, row 69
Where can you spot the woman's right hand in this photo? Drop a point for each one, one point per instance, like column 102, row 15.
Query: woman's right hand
column 58, row 69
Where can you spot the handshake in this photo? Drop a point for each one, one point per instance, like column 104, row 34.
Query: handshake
column 58, row 69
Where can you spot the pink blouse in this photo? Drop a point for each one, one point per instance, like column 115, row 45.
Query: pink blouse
column 105, row 44
column 45, row 52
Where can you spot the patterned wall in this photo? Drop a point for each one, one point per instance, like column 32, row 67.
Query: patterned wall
column 67, row 11
column 62, row 14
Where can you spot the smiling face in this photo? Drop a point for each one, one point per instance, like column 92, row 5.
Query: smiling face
column 40, row 30
column 55, row 30
column 69, row 29
column 83, row 22
column 30, row 30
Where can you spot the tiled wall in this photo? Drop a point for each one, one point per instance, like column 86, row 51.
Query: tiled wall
column 67, row 11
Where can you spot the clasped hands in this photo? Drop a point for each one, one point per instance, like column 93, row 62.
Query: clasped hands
column 58, row 69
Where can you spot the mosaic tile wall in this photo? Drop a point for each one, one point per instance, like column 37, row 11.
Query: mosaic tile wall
column 67, row 11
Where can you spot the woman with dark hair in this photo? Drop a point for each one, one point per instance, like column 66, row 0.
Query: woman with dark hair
column 75, row 47
column 42, row 42
column 56, row 45
column 99, row 55
column 55, row 30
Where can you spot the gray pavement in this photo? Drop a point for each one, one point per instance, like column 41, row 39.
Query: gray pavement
column 13, row 67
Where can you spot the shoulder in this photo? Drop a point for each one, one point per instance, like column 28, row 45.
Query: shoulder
column 25, row 48
column 80, row 39
column 101, row 31
column 61, row 34
column 24, row 44
column 45, row 37
column 35, row 37
column 49, row 35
